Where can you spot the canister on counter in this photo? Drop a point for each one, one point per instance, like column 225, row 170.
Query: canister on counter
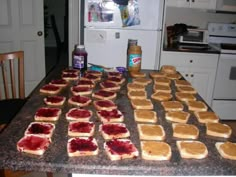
column 134, row 58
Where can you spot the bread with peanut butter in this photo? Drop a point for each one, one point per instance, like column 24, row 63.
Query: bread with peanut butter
column 146, row 116
column 185, row 97
column 137, row 94
column 162, row 81
column 168, row 69
column 151, row 132
column 156, row 74
column 192, row 149
column 161, row 96
column 172, row 105
column 175, row 76
column 142, row 81
column 186, row 89
column 142, row 104
column 155, row 150
column 218, row 130
column 137, row 74
column 206, row 117
column 196, row 106
column 185, row 131
column 135, row 87
column 227, row 150
column 182, row 83
column 177, row 116
column 161, row 88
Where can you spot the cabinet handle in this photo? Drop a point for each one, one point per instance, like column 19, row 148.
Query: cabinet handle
column 191, row 61
column 187, row 0
column 191, row 75
column 186, row 75
column 193, row 0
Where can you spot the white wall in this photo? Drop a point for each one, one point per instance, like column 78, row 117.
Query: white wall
column 195, row 17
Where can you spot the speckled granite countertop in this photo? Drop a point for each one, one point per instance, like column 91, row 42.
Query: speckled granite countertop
column 56, row 159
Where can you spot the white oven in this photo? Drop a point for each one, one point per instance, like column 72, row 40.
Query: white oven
column 224, row 96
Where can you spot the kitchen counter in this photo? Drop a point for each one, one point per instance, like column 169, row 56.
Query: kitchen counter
column 177, row 47
column 56, row 159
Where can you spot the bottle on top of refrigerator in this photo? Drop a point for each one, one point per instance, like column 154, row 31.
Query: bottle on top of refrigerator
column 79, row 59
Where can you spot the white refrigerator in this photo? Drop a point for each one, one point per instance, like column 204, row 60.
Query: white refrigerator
column 109, row 25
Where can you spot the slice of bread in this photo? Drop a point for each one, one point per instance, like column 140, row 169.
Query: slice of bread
column 116, row 80
column 185, row 131
column 114, row 131
column 86, row 83
column 81, row 90
column 172, row 106
column 33, row 144
column 151, row 132
column 142, row 104
column 182, row 83
column 44, row 129
column 135, row 87
column 226, row 149
column 118, row 149
column 137, row 74
column 109, row 86
column 142, row 81
column 91, row 77
column 162, row 81
column 70, row 70
column 156, row 74
column 104, row 105
column 93, row 72
column 186, row 89
column 70, row 76
column 77, row 128
column 155, row 150
column 110, row 116
column 104, row 95
column 47, row 114
column 54, row 100
column 185, row 96
column 77, row 114
column 59, row 82
column 137, row 94
column 161, row 96
column 114, row 74
column 192, row 149
column 218, row 130
column 177, row 116
column 80, row 101
column 50, row 89
column 206, row 116
column 168, row 69
column 161, row 88
column 196, row 106
column 175, row 76
column 82, row 146
column 145, row 116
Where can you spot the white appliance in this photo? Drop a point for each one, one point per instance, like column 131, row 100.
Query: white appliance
column 194, row 36
column 226, row 5
column 106, row 38
column 223, row 37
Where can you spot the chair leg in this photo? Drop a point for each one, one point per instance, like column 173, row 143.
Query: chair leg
column 49, row 174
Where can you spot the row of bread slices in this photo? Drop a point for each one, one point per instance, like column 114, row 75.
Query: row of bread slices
column 41, row 132
column 153, row 150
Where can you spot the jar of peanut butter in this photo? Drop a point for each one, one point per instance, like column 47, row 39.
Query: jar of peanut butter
column 134, row 58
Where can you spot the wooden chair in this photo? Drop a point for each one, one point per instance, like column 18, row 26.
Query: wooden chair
column 12, row 95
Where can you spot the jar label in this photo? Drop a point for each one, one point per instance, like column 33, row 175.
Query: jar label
column 134, row 60
column 78, row 62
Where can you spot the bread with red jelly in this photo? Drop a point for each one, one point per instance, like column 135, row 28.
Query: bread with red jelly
column 44, row 129
column 50, row 89
column 104, row 105
column 77, row 114
column 104, row 95
column 81, row 90
column 118, row 149
column 47, row 114
column 82, row 146
column 113, row 115
column 114, row 130
column 54, row 100
column 59, row 82
column 80, row 101
column 78, row 128
column 33, row 144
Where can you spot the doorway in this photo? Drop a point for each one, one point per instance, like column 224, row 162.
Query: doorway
column 56, row 33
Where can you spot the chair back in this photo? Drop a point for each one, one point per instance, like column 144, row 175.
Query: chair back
column 12, row 75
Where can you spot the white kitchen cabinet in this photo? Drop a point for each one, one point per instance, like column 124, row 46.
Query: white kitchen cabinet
column 198, row 68
column 197, row 4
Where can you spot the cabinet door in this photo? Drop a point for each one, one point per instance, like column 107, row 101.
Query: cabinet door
column 178, row 3
column 203, row 4
column 203, row 80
